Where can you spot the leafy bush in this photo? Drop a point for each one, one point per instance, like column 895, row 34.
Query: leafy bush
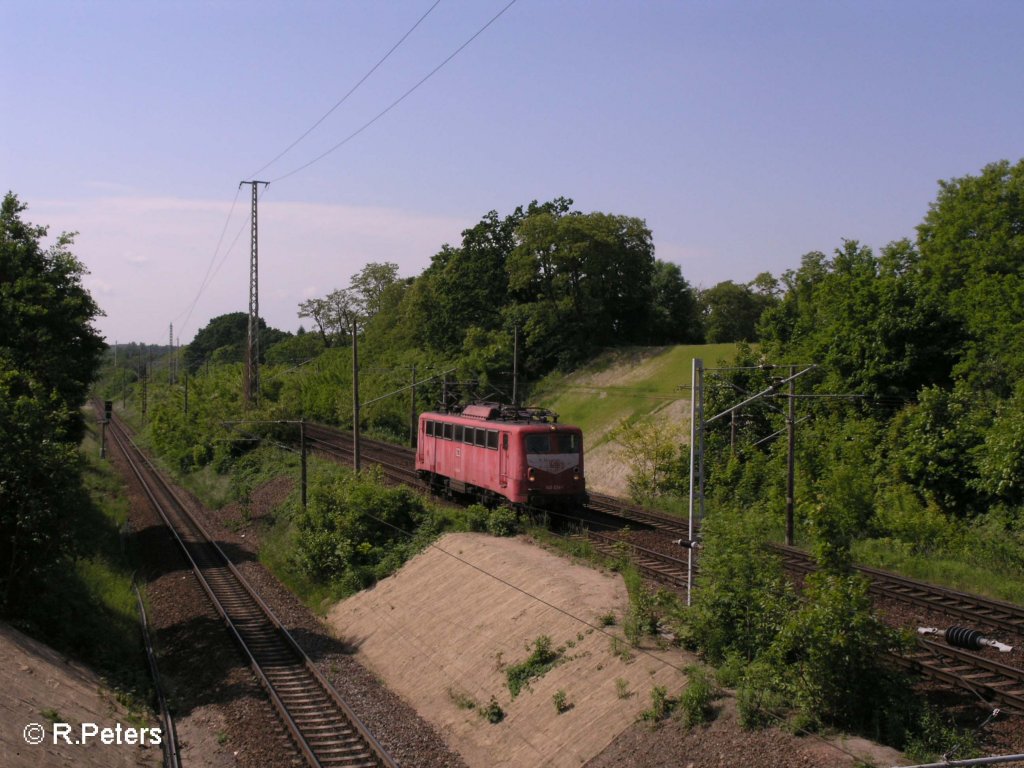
column 354, row 523
column 661, row 705
column 492, row 712
column 741, row 600
column 561, row 701
column 695, row 701
column 831, row 658
column 502, row 521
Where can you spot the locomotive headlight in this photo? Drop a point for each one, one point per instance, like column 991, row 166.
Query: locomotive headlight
column 576, row 473
column 531, row 476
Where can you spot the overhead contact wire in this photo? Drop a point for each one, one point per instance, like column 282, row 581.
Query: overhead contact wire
column 399, row 100
column 352, row 90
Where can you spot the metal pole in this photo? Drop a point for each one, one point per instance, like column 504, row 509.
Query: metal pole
column 103, row 439
column 791, row 434
column 252, row 352
column 355, row 397
column 412, row 410
column 515, row 366
column 302, row 452
column 696, row 413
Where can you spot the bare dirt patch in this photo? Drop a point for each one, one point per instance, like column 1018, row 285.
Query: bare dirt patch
column 444, row 629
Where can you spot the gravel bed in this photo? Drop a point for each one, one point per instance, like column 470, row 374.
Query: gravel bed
column 204, row 674
column 204, row 669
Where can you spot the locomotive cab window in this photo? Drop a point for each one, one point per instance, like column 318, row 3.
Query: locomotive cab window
column 557, row 442
column 538, row 443
column 504, row 441
column 565, row 442
column 430, row 428
column 492, row 439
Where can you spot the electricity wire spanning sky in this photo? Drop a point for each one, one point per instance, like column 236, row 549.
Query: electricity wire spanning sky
column 745, row 133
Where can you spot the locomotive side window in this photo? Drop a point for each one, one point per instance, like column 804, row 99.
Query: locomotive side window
column 430, row 429
column 481, row 437
column 447, row 431
column 469, row 436
column 492, row 439
column 458, row 433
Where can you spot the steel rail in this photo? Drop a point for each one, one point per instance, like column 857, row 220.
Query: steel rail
column 294, row 685
column 172, row 759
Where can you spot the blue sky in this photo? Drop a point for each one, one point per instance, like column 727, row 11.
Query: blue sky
column 745, row 133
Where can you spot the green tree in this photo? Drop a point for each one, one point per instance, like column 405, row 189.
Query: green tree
column 972, row 261
column 589, row 278
column 49, row 354
column 731, row 312
column 675, row 316
column 224, row 340
column 46, row 314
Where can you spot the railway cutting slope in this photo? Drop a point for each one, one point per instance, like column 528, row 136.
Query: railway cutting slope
column 38, row 685
column 444, row 628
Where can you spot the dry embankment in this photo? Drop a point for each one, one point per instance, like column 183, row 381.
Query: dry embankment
column 39, row 686
column 444, row 629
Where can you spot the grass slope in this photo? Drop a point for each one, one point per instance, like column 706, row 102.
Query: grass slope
column 623, row 386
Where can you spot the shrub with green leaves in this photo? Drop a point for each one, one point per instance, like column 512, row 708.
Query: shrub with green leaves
column 502, row 521
column 355, row 522
column 741, row 599
column 831, row 658
column 695, row 701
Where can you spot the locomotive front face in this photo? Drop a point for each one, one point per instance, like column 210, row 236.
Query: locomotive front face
column 554, row 464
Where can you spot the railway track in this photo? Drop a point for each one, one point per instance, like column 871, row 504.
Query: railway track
column 321, row 724
column 981, row 611
column 998, row 682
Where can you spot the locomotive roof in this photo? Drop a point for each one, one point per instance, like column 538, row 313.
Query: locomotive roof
column 496, row 414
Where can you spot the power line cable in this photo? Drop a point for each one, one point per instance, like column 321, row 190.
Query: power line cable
column 344, row 98
column 213, row 259
column 397, row 101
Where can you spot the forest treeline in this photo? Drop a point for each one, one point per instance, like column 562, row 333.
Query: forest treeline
column 918, row 347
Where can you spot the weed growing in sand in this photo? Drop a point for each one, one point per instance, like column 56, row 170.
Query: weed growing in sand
column 695, row 702
column 542, row 659
column 622, row 688
column 661, row 705
column 492, row 712
column 461, row 699
column 561, row 701
column 621, row 649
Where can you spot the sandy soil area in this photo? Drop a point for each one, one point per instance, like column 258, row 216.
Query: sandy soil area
column 38, row 685
column 443, row 630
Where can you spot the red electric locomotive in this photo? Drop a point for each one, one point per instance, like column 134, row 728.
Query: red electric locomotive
column 495, row 452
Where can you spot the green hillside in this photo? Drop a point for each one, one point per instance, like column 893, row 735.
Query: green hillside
column 626, row 384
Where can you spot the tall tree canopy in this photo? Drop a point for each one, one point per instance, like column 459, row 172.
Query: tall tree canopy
column 49, row 354
column 972, row 261
column 224, row 340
